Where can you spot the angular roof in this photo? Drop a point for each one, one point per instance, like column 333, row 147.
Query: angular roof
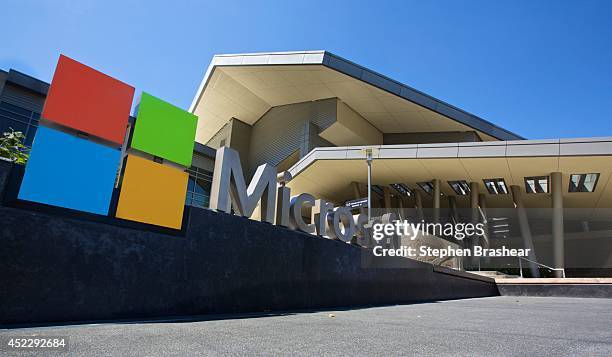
column 245, row 86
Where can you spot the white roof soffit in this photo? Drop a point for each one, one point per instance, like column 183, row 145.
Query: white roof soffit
column 327, row 172
column 555, row 148
column 245, row 86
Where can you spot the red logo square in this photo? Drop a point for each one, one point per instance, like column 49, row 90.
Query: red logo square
column 89, row 101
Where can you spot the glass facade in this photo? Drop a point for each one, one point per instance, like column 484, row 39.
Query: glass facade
column 198, row 187
column 20, row 119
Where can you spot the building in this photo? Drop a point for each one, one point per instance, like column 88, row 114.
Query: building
column 21, row 101
column 313, row 114
column 318, row 116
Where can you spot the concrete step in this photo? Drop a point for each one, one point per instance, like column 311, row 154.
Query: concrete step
column 494, row 274
column 566, row 287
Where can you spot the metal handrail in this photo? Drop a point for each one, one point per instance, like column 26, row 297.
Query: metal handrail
column 540, row 264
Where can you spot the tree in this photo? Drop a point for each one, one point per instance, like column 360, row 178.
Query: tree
column 13, row 148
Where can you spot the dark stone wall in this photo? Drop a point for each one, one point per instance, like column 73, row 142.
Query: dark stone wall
column 55, row 267
column 6, row 167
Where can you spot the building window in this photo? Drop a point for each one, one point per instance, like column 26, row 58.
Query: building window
column 583, row 182
column 426, row 186
column 496, row 186
column 198, row 187
column 20, row 119
column 378, row 191
column 538, row 184
column 402, row 189
column 460, row 187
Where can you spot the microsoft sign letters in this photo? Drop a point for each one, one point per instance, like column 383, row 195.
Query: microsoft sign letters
column 277, row 206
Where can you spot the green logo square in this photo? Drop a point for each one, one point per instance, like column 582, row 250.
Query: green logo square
column 164, row 130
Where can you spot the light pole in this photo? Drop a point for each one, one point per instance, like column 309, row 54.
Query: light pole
column 369, row 161
column 369, row 155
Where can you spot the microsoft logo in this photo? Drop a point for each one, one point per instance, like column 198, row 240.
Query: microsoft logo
column 84, row 137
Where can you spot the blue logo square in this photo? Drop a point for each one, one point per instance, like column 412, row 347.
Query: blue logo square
column 70, row 172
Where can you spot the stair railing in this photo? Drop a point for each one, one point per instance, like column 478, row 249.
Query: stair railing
column 539, row 264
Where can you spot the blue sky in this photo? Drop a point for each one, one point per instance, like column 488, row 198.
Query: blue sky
column 542, row 69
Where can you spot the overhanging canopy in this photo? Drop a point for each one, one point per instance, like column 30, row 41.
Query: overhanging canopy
column 328, row 172
column 245, row 86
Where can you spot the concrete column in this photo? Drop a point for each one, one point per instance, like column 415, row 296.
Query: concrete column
column 474, row 240
column 524, row 227
column 482, row 202
column 474, row 201
column 400, row 206
column 452, row 204
column 585, row 226
column 377, row 202
column 418, row 204
column 436, row 200
column 387, row 198
column 356, row 191
column 556, row 189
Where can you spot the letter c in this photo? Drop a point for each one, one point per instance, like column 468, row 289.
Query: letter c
column 296, row 221
column 344, row 215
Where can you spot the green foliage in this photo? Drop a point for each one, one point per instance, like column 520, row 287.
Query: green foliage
column 13, row 148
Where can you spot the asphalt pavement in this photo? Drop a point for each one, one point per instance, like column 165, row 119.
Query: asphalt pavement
column 496, row 326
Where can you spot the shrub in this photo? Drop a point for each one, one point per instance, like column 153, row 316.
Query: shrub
column 13, row 148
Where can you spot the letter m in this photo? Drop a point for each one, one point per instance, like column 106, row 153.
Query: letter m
column 229, row 190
